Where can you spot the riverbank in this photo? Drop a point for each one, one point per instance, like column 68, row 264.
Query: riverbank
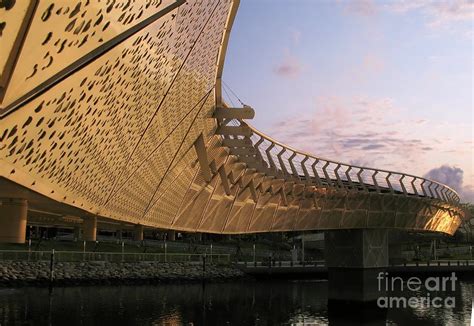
column 23, row 273
column 286, row 270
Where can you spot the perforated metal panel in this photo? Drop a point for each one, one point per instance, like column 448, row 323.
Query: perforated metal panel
column 102, row 104
column 111, row 135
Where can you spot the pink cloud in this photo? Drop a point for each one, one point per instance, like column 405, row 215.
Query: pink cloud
column 374, row 131
column 361, row 7
column 290, row 67
column 439, row 12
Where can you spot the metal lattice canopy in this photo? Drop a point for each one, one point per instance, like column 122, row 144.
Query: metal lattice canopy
column 114, row 109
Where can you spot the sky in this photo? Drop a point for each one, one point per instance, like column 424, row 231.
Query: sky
column 385, row 84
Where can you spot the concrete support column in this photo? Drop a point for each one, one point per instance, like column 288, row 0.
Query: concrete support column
column 138, row 233
column 13, row 214
column 354, row 259
column 77, row 233
column 119, row 233
column 171, row 235
column 89, row 229
column 395, row 253
column 364, row 248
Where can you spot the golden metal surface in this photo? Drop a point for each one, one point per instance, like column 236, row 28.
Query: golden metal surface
column 61, row 32
column 132, row 134
column 14, row 20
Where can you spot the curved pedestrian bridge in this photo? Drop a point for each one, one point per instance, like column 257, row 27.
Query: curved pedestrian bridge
column 112, row 112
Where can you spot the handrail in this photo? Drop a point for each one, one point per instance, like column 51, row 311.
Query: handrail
column 45, row 255
column 336, row 174
column 111, row 252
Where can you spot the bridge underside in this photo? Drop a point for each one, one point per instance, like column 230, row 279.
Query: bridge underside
column 253, row 203
column 113, row 113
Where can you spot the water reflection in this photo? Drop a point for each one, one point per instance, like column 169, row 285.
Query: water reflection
column 427, row 314
column 255, row 303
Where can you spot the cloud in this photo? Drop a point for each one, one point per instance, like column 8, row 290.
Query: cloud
column 290, row 67
column 451, row 176
column 454, row 178
column 373, row 132
column 439, row 13
column 372, row 147
column 348, row 128
column 361, row 7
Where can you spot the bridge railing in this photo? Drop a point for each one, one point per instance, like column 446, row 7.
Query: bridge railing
column 289, row 163
column 322, row 263
column 76, row 256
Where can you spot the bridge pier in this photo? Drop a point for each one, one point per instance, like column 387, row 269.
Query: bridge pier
column 395, row 252
column 77, row 233
column 119, row 232
column 138, row 233
column 13, row 213
column 89, row 229
column 354, row 259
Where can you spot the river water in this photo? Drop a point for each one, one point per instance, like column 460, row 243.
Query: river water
column 282, row 302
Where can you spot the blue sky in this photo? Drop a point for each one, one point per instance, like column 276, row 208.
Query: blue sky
column 385, row 84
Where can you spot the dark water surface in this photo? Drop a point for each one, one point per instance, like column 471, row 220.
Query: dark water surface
column 302, row 302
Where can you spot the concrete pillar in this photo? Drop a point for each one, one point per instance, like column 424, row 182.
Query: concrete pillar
column 13, row 214
column 171, row 235
column 354, row 259
column 77, row 233
column 138, row 233
column 89, row 229
column 29, row 232
column 364, row 248
column 119, row 233
column 395, row 254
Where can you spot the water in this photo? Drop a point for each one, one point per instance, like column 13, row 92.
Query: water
column 300, row 302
